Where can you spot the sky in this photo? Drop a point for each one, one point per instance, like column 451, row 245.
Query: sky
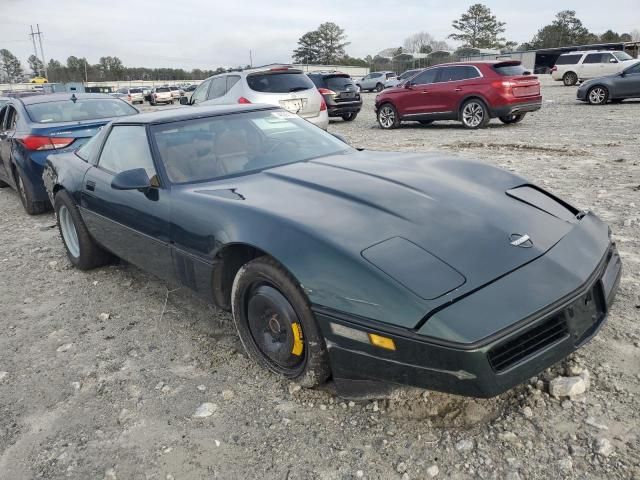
column 207, row 34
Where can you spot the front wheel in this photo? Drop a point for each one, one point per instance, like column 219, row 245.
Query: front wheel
column 349, row 117
column 511, row 119
column 82, row 250
column 275, row 323
column 388, row 117
column 598, row 95
column 474, row 114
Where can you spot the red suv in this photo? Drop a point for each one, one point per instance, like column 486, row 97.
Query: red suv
column 472, row 93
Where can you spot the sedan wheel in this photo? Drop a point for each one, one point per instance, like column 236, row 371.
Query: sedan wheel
column 598, row 96
column 276, row 325
column 474, row 114
column 388, row 117
column 68, row 231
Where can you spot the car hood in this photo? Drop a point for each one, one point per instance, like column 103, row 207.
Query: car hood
column 456, row 211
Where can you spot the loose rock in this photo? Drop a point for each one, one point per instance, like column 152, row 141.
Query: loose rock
column 205, row 410
column 567, row 387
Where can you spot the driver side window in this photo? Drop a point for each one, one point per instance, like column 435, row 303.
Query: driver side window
column 127, row 148
column 200, row 93
column 426, row 77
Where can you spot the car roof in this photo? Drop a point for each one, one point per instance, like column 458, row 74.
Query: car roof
column 581, row 52
column 189, row 113
column 58, row 97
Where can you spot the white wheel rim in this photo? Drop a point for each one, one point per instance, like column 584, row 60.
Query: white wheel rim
column 597, row 95
column 473, row 114
column 68, row 229
column 387, row 117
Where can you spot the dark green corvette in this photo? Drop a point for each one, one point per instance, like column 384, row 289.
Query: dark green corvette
column 362, row 266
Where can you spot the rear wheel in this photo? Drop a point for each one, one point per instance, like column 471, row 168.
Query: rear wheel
column 3, row 184
column 275, row 323
column 474, row 114
column 388, row 117
column 379, row 87
column 83, row 252
column 570, row 79
column 25, row 190
column 510, row 119
column 598, row 95
column 349, row 117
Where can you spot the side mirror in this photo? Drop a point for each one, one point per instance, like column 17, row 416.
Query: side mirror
column 184, row 101
column 408, row 85
column 135, row 179
column 613, row 60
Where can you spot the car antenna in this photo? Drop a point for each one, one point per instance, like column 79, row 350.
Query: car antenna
column 74, row 98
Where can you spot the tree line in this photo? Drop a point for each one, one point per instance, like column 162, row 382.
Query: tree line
column 78, row 69
column 476, row 29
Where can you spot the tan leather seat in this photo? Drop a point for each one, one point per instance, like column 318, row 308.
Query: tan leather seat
column 232, row 151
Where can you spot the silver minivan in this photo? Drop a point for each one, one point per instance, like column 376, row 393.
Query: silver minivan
column 279, row 85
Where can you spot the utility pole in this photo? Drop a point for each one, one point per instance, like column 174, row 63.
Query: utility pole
column 44, row 60
column 33, row 40
column 35, row 49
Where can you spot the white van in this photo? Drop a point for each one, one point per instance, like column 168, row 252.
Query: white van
column 574, row 67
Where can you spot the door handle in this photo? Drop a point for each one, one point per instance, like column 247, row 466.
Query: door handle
column 424, row 92
column 457, row 89
column 91, row 185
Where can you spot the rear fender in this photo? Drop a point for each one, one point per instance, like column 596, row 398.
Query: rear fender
column 64, row 171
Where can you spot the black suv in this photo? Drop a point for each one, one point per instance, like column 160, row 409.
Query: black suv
column 340, row 94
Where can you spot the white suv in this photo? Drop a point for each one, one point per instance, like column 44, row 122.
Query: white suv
column 573, row 67
column 279, row 85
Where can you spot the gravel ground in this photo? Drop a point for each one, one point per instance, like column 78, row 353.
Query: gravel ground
column 103, row 374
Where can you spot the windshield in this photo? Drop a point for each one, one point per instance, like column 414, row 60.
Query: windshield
column 81, row 109
column 622, row 56
column 279, row 82
column 215, row 147
column 135, row 90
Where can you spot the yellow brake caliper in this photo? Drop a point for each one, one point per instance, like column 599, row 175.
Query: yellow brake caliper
column 298, row 341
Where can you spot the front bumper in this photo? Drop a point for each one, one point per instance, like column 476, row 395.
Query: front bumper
column 482, row 369
column 581, row 93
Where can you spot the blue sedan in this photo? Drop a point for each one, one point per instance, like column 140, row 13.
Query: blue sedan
column 31, row 128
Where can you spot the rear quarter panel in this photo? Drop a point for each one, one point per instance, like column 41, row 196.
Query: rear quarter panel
column 64, row 171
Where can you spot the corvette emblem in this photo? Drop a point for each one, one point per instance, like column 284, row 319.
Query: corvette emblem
column 522, row 241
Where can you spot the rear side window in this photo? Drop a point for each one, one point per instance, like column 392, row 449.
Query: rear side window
column 231, row 81
column 457, row 73
column 510, row 70
column 200, row 95
column 317, row 80
column 391, row 75
column 279, row 82
column 339, row 83
column 593, row 58
column 568, row 59
column 81, row 109
column 218, row 87
column 135, row 90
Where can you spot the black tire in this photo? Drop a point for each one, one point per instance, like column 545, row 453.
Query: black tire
column 91, row 255
column 425, row 122
column 263, row 289
column 388, row 117
column 25, row 191
column 570, row 79
column 598, row 95
column 511, row 119
column 474, row 114
column 349, row 117
column 3, row 184
column 379, row 87
column 171, row 102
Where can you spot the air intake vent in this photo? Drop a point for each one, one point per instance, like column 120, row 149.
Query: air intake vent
column 513, row 351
